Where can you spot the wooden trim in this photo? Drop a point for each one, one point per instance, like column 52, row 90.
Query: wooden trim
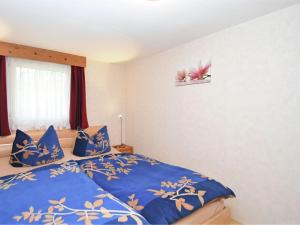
column 223, row 217
column 124, row 148
column 37, row 134
column 26, row 52
column 234, row 222
column 202, row 216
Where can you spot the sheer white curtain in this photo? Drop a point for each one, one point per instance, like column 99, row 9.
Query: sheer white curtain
column 38, row 94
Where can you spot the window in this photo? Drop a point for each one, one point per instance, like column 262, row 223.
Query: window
column 38, row 94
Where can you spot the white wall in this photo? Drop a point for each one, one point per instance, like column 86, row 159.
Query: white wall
column 105, row 96
column 243, row 128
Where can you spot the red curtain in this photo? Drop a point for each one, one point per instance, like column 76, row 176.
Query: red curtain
column 78, row 116
column 4, row 127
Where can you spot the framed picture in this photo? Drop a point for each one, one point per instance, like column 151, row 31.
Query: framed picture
column 194, row 76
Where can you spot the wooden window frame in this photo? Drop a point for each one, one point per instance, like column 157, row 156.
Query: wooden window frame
column 39, row 54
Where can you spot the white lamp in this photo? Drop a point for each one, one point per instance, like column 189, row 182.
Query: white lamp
column 121, row 121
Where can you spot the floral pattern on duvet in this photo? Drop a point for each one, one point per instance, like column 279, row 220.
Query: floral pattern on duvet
column 60, row 194
column 162, row 193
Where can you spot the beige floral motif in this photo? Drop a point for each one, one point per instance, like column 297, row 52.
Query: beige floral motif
column 100, row 142
column 133, row 203
column 92, row 210
column 27, row 151
column 9, row 182
column 181, row 203
column 92, row 152
column 54, row 153
column 133, row 159
column 111, row 171
column 182, row 187
column 25, row 143
column 27, row 154
column 44, row 150
column 108, row 170
column 64, row 167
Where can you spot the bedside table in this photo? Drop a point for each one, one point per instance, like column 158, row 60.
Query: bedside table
column 124, row 148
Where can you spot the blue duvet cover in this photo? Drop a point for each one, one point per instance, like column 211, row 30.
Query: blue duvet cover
column 162, row 193
column 60, row 194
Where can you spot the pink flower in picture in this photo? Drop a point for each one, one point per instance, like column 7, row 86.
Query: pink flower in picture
column 181, row 76
column 199, row 73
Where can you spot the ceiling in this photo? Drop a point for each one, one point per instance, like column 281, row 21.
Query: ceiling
column 122, row 30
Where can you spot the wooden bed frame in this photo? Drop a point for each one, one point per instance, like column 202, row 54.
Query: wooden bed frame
column 67, row 140
column 223, row 217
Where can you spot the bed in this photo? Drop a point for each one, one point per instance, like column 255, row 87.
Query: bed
column 161, row 192
column 214, row 212
column 60, row 194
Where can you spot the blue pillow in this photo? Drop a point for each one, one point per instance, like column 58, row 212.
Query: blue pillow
column 26, row 153
column 95, row 145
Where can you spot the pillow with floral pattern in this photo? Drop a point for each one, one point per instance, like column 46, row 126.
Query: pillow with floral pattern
column 26, row 153
column 88, row 146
